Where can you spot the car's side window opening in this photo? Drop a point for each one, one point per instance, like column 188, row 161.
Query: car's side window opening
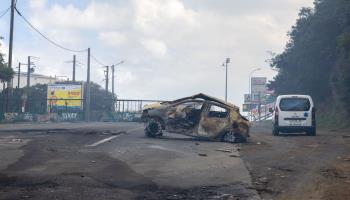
column 217, row 111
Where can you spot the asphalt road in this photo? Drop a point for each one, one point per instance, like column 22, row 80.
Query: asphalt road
column 295, row 166
column 116, row 161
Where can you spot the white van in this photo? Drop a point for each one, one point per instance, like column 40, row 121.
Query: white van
column 294, row 113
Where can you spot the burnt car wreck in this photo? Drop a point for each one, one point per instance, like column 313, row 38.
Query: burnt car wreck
column 198, row 116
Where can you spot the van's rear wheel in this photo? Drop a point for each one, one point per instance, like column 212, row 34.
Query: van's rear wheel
column 311, row 132
column 275, row 131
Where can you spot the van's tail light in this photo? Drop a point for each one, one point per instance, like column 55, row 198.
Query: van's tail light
column 313, row 114
column 276, row 115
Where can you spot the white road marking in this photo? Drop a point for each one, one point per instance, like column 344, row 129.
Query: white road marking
column 111, row 138
column 102, row 141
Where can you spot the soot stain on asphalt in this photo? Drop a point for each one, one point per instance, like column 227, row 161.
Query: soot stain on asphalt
column 39, row 169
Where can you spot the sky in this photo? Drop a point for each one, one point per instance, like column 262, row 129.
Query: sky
column 171, row 48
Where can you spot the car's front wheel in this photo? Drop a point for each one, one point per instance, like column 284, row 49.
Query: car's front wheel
column 232, row 137
column 153, row 128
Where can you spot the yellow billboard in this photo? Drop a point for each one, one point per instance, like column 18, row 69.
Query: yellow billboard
column 64, row 97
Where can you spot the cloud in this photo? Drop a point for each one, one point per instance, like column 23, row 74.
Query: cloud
column 152, row 15
column 112, row 38
column 157, row 48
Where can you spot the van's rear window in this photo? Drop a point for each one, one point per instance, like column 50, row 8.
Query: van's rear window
column 295, row 104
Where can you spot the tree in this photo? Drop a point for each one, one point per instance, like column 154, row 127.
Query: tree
column 6, row 73
column 316, row 59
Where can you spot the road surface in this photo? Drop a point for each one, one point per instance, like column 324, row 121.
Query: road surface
column 116, row 161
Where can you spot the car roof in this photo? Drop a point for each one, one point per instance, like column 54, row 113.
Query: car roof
column 206, row 97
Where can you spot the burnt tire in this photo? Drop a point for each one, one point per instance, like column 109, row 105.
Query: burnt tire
column 153, row 128
column 228, row 137
column 231, row 137
column 240, row 139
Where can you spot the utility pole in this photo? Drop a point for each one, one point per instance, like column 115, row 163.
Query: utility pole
column 107, row 78
column 28, row 73
column 87, row 100
column 9, row 83
column 19, row 74
column 113, row 81
column 113, row 103
column 11, row 32
column 74, row 62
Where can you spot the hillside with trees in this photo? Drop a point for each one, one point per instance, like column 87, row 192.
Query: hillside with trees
column 316, row 60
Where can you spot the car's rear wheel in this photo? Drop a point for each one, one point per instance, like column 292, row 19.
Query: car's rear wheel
column 232, row 137
column 229, row 137
column 153, row 128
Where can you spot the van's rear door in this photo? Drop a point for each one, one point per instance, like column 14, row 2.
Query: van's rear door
column 295, row 111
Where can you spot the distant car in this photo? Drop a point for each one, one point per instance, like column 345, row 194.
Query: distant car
column 294, row 113
column 199, row 116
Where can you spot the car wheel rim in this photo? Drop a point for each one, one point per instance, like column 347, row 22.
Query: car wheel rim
column 154, row 128
column 229, row 137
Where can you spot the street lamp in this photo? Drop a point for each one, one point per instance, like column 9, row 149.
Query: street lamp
column 225, row 65
column 250, row 90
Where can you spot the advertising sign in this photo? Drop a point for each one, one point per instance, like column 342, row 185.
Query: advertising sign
column 64, row 97
column 258, row 89
column 259, row 81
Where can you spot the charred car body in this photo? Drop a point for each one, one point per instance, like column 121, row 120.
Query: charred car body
column 199, row 116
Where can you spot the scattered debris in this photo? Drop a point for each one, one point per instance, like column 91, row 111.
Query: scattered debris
column 332, row 172
column 232, row 155
column 52, row 149
column 202, row 154
column 258, row 143
column 16, row 140
column 284, row 169
column 196, row 143
column 346, row 159
column 93, row 161
column 312, row 145
column 346, row 136
column 224, row 150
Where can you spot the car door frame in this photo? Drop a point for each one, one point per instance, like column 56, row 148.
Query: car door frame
column 212, row 127
column 172, row 128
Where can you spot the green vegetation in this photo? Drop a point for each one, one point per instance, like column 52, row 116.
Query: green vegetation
column 6, row 73
column 316, row 60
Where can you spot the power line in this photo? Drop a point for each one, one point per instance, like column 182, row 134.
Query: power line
column 48, row 39
column 97, row 61
column 4, row 12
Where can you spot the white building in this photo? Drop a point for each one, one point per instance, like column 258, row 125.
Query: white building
column 34, row 79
